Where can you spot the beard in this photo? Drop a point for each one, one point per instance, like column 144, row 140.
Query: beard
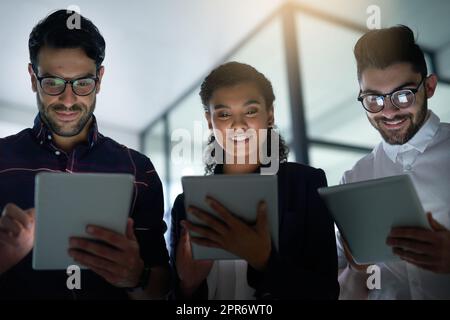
column 47, row 114
column 401, row 136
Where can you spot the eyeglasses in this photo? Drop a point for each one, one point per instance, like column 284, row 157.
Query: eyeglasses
column 54, row 86
column 401, row 99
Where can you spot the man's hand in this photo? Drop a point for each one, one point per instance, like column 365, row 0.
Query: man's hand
column 352, row 263
column 118, row 261
column 353, row 278
column 251, row 243
column 16, row 235
column 427, row 249
column 191, row 272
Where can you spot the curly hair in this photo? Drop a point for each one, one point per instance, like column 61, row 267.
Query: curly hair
column 233, row 73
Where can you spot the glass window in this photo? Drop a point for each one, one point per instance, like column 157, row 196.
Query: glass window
column 330, row 84
column 8, row 128
column 154, row 149
column 188, row 130
column 439, row 102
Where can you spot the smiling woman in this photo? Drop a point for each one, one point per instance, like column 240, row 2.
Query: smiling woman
column 238, row 103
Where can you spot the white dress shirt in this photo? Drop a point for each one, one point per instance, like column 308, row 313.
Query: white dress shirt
column 227, row 280
column 426, row 159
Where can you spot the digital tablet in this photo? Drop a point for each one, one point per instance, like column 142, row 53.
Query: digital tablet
column 366, row 211
column 66, row 203
column 241, row 194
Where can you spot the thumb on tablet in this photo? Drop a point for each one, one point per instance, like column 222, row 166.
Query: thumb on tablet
column 32, row 215
column 185, row 236
column 348, row 255
column 436, row 226
column 130, row 229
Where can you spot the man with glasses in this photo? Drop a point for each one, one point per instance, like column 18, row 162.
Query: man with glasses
column 66, row 73
column 394, row 91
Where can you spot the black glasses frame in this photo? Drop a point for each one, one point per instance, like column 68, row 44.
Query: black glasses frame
column 360, row 97
column 96, row 79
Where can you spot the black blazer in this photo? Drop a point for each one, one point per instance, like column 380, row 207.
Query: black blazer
column 305, row 267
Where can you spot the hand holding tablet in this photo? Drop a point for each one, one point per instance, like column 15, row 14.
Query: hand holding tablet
column 231, row 203
column 365, row 212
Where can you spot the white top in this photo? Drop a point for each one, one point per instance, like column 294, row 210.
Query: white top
column 227, row 280
column 426, row 159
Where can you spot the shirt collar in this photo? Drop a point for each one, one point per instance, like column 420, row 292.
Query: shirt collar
column 418, row 142
column 43, row 133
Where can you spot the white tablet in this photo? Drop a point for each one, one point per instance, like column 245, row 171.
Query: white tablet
column 66, row 203
column 366, row 211
column 240, row 194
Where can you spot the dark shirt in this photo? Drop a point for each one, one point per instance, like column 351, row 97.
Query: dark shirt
column 305, row 267
column 31, row 151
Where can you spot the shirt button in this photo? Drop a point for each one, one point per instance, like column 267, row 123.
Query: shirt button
column 49, row 137
column 57, row 152
column 408, row 167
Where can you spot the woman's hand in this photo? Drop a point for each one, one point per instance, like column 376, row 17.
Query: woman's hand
column 191, row 272
column 250, row 242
